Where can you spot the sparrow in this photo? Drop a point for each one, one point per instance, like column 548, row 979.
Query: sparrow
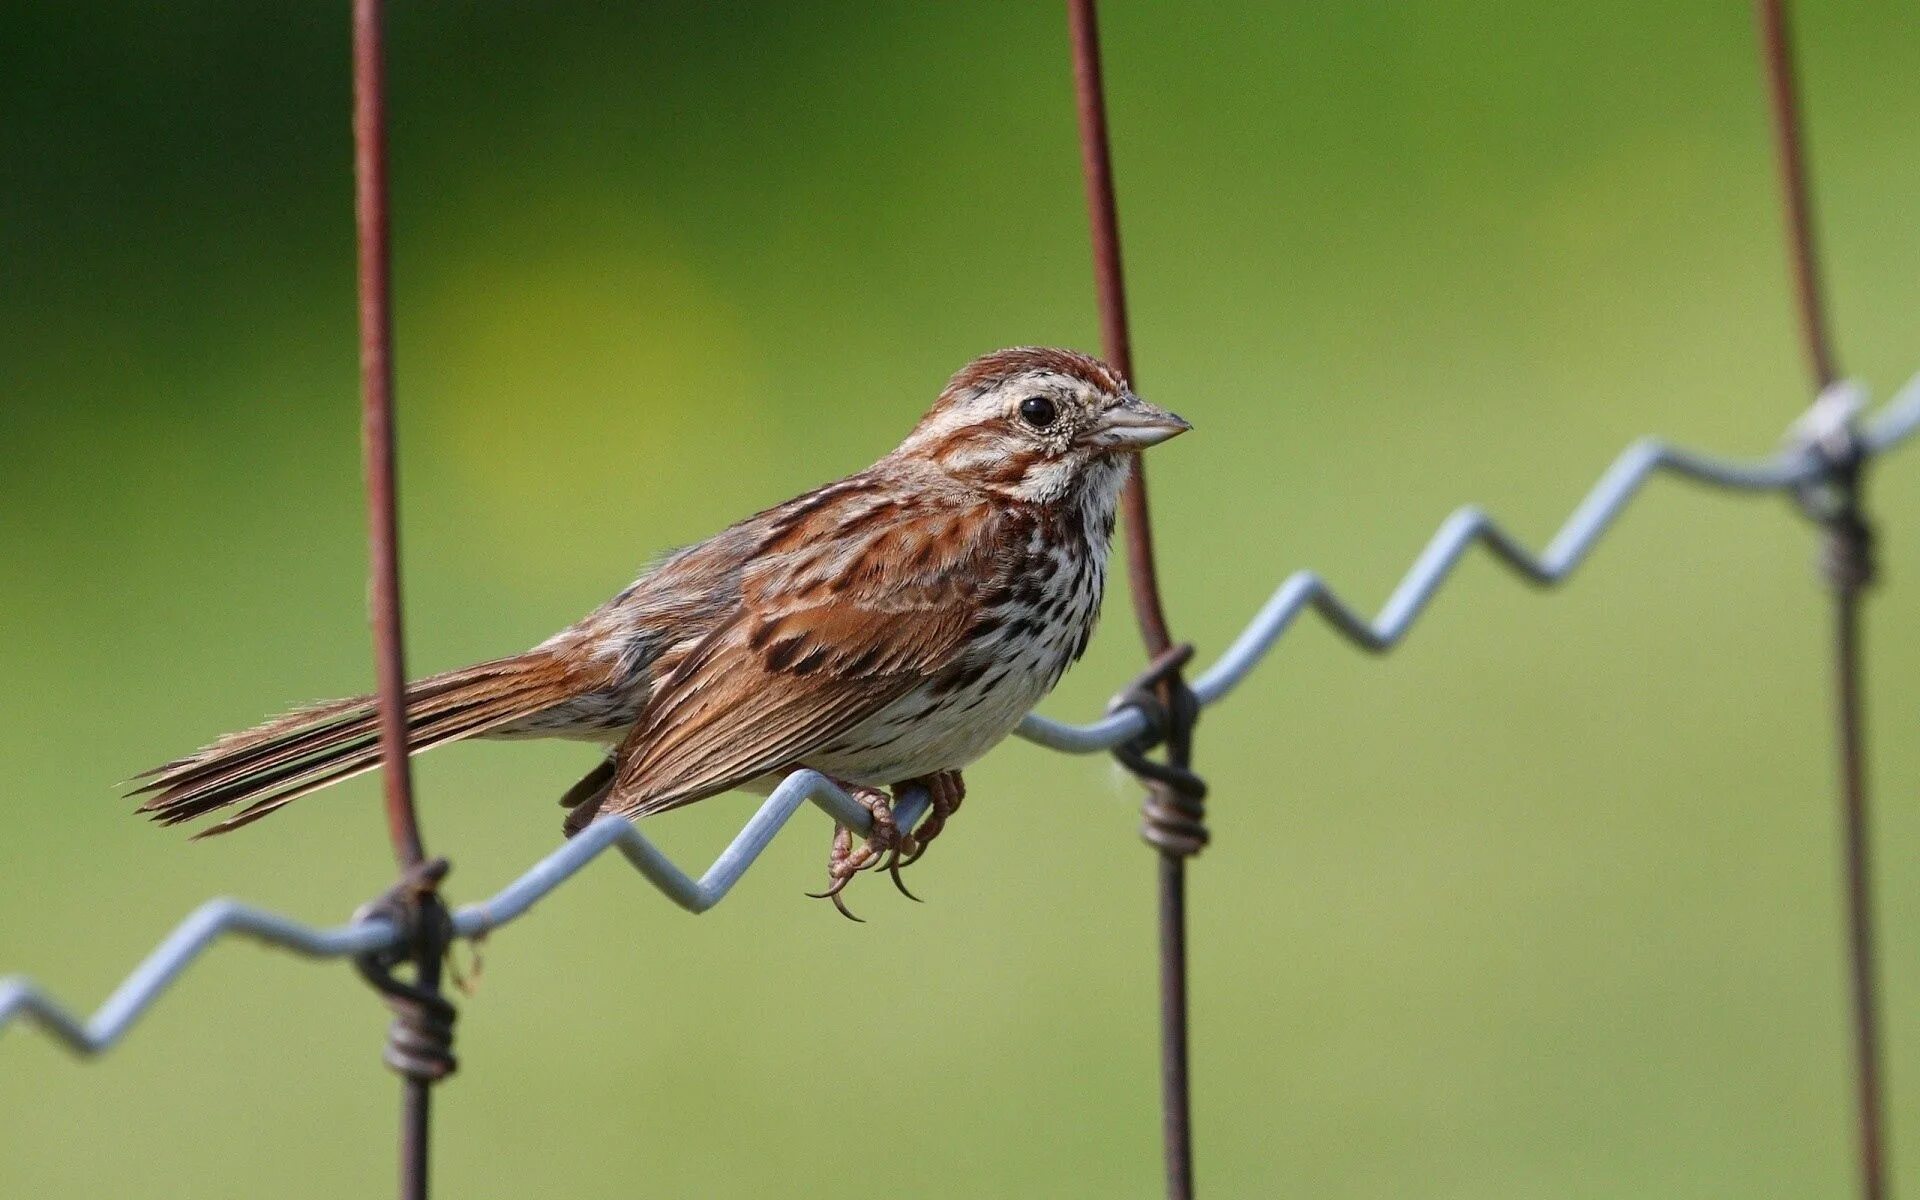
column 885, row 630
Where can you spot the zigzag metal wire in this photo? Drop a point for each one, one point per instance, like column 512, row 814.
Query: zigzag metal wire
column 1797, row 466
column 21, row 999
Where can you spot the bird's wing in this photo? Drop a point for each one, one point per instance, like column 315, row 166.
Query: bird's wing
column 851, row 598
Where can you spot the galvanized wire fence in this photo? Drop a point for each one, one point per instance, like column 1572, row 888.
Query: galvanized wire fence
column 1820, row 466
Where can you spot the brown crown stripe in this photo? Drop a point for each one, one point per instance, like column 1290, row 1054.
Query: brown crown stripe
column 992, row 368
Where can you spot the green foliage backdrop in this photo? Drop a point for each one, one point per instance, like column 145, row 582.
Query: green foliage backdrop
column 1544, row 904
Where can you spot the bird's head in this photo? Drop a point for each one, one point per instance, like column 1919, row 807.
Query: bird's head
column 1038, row 425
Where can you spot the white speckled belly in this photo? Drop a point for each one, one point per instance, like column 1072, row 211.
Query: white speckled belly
column 946, row 724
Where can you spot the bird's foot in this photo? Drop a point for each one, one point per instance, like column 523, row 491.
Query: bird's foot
column 946, row 789
column 845, row 860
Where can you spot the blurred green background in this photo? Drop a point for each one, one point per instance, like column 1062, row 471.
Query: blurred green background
column 1543, row 904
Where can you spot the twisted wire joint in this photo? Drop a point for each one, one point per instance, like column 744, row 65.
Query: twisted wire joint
column 420, row 1037
column 1173, row 815
column 1830, row 434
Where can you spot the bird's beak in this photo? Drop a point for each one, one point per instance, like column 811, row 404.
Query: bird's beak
column 1134, row 425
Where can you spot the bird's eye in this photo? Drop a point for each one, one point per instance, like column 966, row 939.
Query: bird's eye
column 1037, row 411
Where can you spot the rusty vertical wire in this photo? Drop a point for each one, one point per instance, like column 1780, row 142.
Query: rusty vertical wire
column 1849, row 570
column 1776, row 49
column 376, row 389
column 1103, row 220
column 376, row 394
column 1849, row 721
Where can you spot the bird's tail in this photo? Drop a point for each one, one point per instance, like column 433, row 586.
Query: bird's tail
column 276, row 763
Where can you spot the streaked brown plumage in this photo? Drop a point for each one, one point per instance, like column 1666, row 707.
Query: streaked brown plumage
column 885, row 629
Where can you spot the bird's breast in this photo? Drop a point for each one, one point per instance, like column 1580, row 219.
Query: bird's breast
column 1025, row 644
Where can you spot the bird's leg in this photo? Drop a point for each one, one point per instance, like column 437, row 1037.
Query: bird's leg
column 583, row 800
column 845, row 860
column 946, row 789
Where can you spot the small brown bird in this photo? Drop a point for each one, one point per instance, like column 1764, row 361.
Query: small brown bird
column 885, row 630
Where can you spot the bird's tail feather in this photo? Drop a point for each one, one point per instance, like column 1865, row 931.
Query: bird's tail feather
column 276, row 763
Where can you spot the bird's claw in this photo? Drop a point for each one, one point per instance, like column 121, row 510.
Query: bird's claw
column 946, row 790
column 883, row 847
column 839, row 877
column 894, row 863
column 888, row 846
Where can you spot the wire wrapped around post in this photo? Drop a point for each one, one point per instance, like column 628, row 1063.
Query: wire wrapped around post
column 420, row 1038
column 1833, row 501
column 1174, row 818
column 419, row 1045
column 1172, row 812
column 1847, row 566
